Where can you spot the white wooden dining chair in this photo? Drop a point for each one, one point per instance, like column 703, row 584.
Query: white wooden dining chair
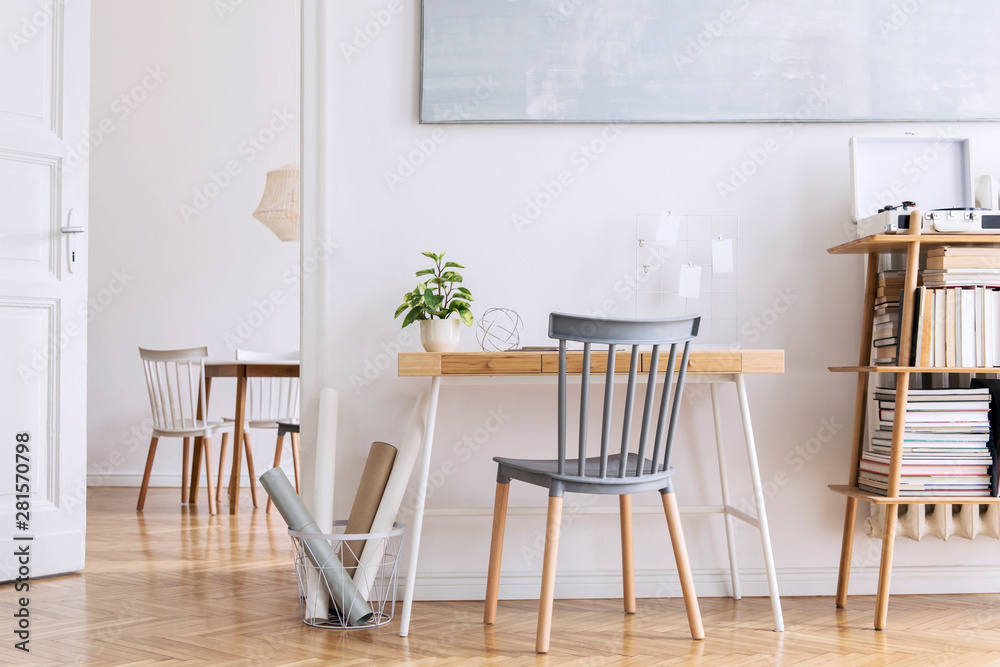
column 175, row 380
column 270, row 401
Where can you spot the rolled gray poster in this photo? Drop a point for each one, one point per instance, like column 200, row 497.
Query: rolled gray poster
column 297, row 516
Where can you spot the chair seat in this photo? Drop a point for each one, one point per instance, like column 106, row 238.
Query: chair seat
column 545, row 473
column 198, row 428
column 259, row 423
column 286, row 426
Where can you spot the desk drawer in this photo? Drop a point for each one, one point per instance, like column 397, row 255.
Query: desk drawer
column 700, row 361
column 511, row 363
column 598, row 362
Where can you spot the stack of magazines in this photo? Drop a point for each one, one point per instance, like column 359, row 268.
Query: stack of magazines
column 945, row 444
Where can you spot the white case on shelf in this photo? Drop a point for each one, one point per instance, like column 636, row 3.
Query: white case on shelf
column 933, row 172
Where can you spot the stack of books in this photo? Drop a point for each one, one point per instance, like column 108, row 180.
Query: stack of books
column 949, row 266
column 945, row 444
column 886, row 337
column 956, row 327
column 956, row 309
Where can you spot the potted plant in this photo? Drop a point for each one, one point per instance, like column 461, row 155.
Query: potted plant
column 432, row 303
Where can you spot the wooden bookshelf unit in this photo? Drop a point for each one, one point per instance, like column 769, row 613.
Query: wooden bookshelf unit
column 911, row 242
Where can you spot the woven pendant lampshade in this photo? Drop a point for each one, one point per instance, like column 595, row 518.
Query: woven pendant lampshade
column 279, row 207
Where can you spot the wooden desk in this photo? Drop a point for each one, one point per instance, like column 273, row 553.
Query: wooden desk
column 241, row 370
column 704, row 366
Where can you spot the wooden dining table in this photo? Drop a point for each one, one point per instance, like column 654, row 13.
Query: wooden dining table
column 242, row 371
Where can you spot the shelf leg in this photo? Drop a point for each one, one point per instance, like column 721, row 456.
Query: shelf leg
column 858, row 433
column 896, row 460
column 846, row 549
column 885, row 567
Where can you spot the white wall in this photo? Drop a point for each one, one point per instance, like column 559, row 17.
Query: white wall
column 157, row 279
column 462, row 198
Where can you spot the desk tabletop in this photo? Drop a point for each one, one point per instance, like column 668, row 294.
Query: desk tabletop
column 537, row 362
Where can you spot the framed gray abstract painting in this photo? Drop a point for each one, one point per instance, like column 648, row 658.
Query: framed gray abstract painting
column 708, row 61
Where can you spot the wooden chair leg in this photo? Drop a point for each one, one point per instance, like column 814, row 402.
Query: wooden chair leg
column 196, row 459
column 683, row 566
column 552, row 526
column 222, row 463
column 207, row 448
column 185, row 469
column 250, row 470
column 295, row 460
column 496, row 553
column 628, row 562
column 278, row 445
column 145, row 475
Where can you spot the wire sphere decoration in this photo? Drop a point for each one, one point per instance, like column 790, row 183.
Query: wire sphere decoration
column 499, row 330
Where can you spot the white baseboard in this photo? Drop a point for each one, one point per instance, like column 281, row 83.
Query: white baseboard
column 711, row 583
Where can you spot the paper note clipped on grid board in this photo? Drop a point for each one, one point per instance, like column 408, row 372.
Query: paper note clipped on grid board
column 722, row 256
column 667, row 230
column 690, row 283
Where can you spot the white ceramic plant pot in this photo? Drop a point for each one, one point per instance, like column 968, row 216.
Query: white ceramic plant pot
column 439, row 335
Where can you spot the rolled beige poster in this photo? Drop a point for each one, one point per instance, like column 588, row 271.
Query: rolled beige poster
column 366, row 501
column 296, row 515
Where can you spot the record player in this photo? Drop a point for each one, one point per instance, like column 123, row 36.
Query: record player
column 891, row 177
column 896, row 219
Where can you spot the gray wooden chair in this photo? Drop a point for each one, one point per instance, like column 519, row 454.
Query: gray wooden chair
column 621, row 473
column 287, row 427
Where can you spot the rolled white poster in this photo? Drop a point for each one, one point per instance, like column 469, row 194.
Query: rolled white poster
column 392, row 497
column 325, row 470
column 297, row 516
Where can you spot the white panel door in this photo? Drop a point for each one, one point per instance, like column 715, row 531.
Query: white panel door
column 44, row 112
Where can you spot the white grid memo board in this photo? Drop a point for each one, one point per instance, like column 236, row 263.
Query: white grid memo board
column 659, row 267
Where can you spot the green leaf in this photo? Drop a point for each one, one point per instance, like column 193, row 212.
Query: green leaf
column 400, row 309
column 451, row 277
column 413, row 316
column 425, row 272
column 464, row 292
column 452, row 265
column 464, row 314
column 435, row 257
column 432, row 299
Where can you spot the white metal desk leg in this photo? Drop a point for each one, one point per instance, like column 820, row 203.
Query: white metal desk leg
column 734, row 570
column 758, row 493
column 418, row 511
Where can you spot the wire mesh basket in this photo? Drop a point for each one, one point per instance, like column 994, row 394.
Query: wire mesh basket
column 347, row 581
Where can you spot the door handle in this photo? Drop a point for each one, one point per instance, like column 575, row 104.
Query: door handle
column 69, row 229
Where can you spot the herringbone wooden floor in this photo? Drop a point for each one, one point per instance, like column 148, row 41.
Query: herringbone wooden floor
column 175, row 584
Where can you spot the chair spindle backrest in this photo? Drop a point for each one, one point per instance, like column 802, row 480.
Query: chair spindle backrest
column 675, row 332
column 175, row 381
column 271, row 399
